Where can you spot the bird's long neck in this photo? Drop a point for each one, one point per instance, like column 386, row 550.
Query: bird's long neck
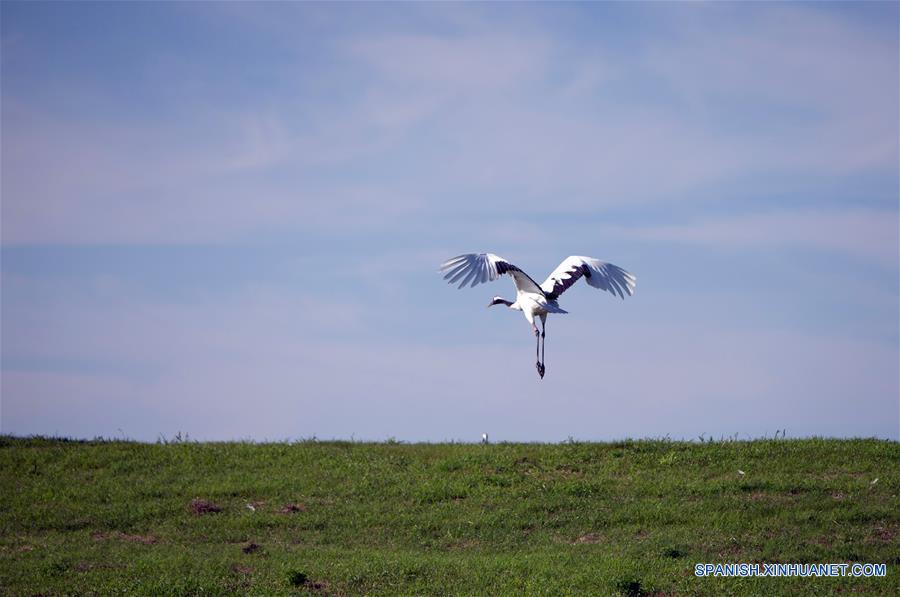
column 501, row 301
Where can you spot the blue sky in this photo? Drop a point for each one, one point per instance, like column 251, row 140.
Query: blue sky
column 226, row 219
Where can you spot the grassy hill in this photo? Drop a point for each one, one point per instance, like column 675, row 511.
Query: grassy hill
column 630, row 517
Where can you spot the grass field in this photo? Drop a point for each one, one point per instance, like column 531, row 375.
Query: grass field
column 630, row 517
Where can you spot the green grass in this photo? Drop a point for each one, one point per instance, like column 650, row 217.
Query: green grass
column 631, row 517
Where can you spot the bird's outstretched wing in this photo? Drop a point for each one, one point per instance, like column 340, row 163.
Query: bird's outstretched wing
column 598, row 274
column 485, row 267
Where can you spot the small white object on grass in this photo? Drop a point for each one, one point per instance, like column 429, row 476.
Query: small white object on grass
column 874, row 482
column 251, row 507
column 740, row 472
column 484, row 438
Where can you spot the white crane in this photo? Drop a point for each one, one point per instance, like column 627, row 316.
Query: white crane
column 533, row 299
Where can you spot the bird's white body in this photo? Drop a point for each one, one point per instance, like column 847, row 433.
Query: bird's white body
column 533, row 305
column 538, row 300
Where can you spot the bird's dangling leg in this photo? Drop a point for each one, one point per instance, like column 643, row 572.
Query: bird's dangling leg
column 537, row 351
column 543, row 343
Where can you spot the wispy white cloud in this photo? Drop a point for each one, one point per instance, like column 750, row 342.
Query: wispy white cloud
column 872, row 235
column 828, row 87
column 517, row 114
column 82, row 183
column 457, row 65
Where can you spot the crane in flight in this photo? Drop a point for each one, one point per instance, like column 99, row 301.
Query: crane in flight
column 537, row 300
